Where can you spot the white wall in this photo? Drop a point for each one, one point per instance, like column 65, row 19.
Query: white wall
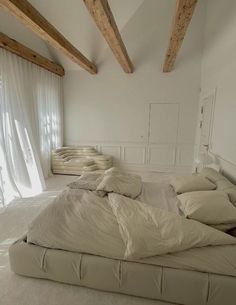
column 218, row 72
column 111, row 110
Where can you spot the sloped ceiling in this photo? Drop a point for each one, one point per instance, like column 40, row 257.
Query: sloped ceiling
column 73, row 20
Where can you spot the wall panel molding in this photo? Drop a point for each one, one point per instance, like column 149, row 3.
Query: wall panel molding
column 184, row 154
column 134, row 154
column 144, row 157
column 112, row 150
column 162, row 155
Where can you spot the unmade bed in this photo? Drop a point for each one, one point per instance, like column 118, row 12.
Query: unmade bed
column 202, row 275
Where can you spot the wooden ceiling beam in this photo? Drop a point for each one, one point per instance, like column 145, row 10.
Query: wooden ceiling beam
column 29, row 16
column 103, row 17
column 182, row 18
column 19, row 49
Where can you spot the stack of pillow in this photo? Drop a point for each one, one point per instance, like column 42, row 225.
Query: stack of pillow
column 209, row 198
column 112, row 180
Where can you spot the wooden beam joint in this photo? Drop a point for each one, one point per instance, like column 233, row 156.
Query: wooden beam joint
column 103, row 17
column 19, row 49
column 29, row 16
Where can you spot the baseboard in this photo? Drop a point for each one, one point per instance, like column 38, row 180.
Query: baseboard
column 147, row 168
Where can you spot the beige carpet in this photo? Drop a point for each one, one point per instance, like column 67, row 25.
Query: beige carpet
column 17, row 290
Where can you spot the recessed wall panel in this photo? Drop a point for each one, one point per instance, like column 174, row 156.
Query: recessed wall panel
column 163, row 155
column 134, row 155
column 114, row 151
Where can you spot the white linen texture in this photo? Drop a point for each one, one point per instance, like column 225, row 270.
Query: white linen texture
column 117, row 227
column 30, row 123
column 121, row 183
column 191, row 183
column 209, row 207
column 112, row 180
column 222, row 183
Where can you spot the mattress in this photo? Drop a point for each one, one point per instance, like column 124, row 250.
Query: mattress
column 134, row 278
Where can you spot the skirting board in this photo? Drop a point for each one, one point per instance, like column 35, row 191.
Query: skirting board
column 151, row 169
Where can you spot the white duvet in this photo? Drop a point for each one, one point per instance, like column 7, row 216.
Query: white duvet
column 117, row 227
column 148, row 231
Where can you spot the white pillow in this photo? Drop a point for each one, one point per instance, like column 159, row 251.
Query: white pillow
column 208, row 207
column 224, row 227
column 88, row 181
column 214, row 166
column 222, row 183
column 232, row 195
column 192, row 183
column 121, row 183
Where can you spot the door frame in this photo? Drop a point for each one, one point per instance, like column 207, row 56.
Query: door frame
column 212, row 94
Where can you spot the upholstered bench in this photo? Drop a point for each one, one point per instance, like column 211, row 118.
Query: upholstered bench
column 75, row 160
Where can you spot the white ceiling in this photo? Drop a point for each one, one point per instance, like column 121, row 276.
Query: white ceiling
column 73, row 20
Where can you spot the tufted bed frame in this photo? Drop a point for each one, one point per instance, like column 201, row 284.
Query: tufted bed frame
column 143, row 279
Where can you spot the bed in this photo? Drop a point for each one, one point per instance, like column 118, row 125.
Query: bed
column 198, row 276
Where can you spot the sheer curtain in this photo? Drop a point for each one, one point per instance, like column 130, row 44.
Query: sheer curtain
column 47, row 114
column 30, row 124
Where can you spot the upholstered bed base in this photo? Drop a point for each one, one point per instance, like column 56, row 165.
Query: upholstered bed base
column 144, row 280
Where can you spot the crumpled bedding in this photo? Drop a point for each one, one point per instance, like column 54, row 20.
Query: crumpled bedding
column 148, row 231
column 112, row 180
column 117, row 227
column 80, row 221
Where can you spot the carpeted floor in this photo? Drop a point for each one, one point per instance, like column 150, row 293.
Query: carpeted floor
column 17, row 290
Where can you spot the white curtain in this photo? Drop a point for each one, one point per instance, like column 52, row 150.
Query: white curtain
column 30, row 124
column 47, row 114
